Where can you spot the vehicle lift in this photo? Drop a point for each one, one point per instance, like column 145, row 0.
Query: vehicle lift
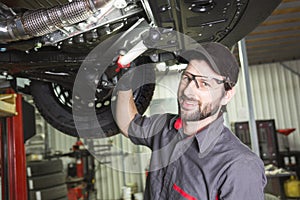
column 12, row 148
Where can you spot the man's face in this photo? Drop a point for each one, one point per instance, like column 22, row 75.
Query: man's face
column 200, row 91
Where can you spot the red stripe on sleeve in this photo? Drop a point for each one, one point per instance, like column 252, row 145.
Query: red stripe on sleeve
column 183, row 193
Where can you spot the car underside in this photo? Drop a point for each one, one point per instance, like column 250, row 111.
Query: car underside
column 47, row 41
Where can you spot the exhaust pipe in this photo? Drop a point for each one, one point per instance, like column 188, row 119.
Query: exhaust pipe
column 43, row 21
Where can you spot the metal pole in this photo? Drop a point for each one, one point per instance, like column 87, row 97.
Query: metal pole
column 245, row 69
column 16, row 154
column 141, row 170
column 4, row 161
column 123, row 160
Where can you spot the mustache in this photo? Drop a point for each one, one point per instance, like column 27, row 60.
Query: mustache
column 186, row 98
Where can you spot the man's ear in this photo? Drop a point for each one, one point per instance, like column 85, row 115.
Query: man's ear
column 228, row 96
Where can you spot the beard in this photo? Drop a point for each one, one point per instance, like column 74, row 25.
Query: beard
column 197, row 114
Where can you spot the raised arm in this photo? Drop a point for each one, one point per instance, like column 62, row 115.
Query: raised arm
column 125, row 110
column 129, row 82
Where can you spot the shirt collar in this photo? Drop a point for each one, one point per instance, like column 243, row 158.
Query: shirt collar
column 208, row 137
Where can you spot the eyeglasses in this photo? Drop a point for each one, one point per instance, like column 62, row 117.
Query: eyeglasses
column 203, row 83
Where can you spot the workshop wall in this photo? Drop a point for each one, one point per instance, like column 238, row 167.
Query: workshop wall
column 123, row 166
column 276, row 95
column 59, row 141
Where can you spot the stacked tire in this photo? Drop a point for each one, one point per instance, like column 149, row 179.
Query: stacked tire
column 46, row 180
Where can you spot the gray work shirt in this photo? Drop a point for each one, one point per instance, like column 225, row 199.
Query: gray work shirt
column 211, row 165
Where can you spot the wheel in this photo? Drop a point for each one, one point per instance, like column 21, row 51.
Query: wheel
column 44, row 167
column 52, row 193
column 54, row 102
column 46, row 181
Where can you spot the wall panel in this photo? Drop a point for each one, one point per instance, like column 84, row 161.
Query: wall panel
column 123, row 165
column 275, row 91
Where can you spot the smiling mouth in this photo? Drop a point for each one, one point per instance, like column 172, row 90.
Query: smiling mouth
column 188, row 104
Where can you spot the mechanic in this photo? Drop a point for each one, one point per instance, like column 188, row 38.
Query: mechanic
column 194, row 156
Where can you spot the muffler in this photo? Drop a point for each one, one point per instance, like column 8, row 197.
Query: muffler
column 43, row 21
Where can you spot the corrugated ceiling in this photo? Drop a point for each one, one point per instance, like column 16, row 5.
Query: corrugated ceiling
column 277, row 39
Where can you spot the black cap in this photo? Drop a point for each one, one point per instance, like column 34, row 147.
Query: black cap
column 220, row 59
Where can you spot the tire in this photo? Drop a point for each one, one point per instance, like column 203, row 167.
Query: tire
column 42, row 182
column 60, row 115
column 44, row 167
column 52, row 193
